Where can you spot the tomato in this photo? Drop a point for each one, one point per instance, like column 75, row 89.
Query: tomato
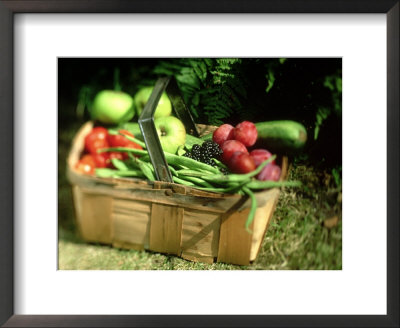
column 96, row 139
column 118, row 140
column 134, row 146
column 127, row 133
column 86, row 164
column 117, row 155
column 101, row 159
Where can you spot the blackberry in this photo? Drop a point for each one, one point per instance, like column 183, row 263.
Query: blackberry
column 210, row 162
column 188, row 154
column 196, row 152
column 205, row 153
column 211, row 149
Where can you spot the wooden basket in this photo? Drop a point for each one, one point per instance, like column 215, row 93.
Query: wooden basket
column 168, row 217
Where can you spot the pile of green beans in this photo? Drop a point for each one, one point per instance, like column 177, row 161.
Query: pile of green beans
column 189, row 172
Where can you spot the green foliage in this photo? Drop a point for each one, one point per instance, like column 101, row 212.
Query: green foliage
column 334, row 84
column 272, row 68
column 321, row 115
column 84, row 100
column 117, row 82
column 337, row 176
column 212, row 87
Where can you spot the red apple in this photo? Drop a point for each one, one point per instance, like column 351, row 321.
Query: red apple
column 229, row 147
column 223, row 133
column 241, row 162
column 246, row 133
column 270, row 172
column 260, row 155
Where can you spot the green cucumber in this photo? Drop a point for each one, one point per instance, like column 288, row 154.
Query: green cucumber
column 281, row 136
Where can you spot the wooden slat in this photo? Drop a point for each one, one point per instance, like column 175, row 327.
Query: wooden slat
column 133, row 185
column 94, row 216
column 169, row 197
column 195, row 257
column 261, row 222
column 235, row 241
column 165, row 228
column 200, row 235
column 126, row 245
column 131, row 222
column 77, row 196
column 78, row 144
column 205, row 129
column 264, row 214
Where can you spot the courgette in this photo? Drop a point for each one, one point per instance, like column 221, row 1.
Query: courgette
column 283, row 136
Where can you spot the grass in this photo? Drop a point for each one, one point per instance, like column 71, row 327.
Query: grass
column 305, row 232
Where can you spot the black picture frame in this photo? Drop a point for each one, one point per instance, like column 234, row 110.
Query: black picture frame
column 7, row 11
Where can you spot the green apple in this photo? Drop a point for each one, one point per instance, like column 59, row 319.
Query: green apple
column 112, row 107
column 171, row 132
column 164, row 107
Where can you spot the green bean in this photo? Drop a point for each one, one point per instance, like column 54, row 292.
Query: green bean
column 111, row 173
column 232, row 189
column 183, row 182
column 219, row 163
column 147, row 169
column 136, row 141
column 255, row 184
column 112, row 131
column 180, row 151
column 253, row 208
column 119, row 165
column 145, row 158
column 171, row 159
column 193, row 173
column 197, row 181
column 188, row 162
column 173, row 171
column 235, row 183
column 133, row 161
column 220, row 178
column 124, row 149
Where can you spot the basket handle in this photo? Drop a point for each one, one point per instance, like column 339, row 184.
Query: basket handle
column 180, row 108
column 148, row 129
